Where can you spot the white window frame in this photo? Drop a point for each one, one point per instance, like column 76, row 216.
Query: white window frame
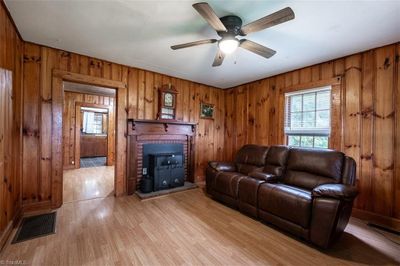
column 301, row 131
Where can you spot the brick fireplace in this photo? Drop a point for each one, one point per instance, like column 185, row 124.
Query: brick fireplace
column 143, row 132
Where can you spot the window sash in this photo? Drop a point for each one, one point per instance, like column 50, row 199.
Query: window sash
column 301, row 129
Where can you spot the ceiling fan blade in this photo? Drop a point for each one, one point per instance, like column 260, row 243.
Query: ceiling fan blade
column 273, row 19
column 219, row 57
column 209, row 15
column 190, row 44
column 257, row 48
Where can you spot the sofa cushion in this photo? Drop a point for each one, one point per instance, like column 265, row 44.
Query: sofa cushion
column 276, row 160
column 308, row 168
column 287, row 202
column 264, row 177
column 223, row 166
column 246, row 169
column 252, row 154
column 227, row 183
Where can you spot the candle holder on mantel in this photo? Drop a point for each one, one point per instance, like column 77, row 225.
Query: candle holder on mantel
column 167, row 102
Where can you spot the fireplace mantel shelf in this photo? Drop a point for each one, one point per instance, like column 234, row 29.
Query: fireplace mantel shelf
column 176, row 122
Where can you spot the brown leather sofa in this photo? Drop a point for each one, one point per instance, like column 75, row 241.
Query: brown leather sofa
column 307, row 192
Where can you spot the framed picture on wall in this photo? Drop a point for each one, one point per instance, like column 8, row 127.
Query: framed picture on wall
column 207, row 110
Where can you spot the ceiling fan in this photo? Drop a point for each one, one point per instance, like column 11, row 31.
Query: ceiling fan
column 229, row 27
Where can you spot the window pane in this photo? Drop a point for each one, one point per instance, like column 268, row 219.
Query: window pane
column 295, row 104
column 307, row 141
column 309, row 101
column 323, row 100
column 295, row 121
column 321, row 142
column 322, row 118
column 92, row 123
column 294, row 140
column 308, row 113
column 309, row 119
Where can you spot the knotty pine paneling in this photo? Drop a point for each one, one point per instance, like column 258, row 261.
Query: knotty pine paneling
column 369, row 115
column 142, row 102
column 69, row 125
column 367, row 120
column 11, row 59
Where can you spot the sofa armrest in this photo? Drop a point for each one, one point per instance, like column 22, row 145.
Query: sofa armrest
column 336, row 191
column 269, row 178
column 223, row 166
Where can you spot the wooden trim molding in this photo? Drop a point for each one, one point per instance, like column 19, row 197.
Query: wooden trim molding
column 314, row 84
column 382, row 220
column 37, row 206
column 85, row 79
column 8, row 230
column 58, row 76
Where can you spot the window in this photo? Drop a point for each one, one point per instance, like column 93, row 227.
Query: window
column 308, row 118
column 94, row 120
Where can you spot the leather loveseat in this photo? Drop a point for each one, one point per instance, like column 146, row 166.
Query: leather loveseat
column 308, row 192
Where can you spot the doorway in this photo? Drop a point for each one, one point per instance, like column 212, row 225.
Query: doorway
column 57, row 100
column 88, row 141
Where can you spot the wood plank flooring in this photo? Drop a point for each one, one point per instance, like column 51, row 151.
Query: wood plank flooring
column 88, row 183
column 185, row 228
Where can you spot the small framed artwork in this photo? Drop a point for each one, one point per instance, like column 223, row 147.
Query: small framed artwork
column 207, row 110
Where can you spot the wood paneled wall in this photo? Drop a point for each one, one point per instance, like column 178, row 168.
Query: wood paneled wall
column 10, row 58
column 70, row 99
column 367, row 122
column 142, row 104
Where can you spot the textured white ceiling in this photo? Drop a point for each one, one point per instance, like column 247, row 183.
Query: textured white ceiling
column 140, row 33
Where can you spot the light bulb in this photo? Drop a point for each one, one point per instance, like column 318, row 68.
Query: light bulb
column 228, row 46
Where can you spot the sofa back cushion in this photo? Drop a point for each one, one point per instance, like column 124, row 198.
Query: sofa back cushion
column 250, row 157
column 308, row 168
column 276, row 160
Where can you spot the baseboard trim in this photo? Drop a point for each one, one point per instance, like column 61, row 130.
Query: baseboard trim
column 37, row 207
column 9, row 228
column 389, row 222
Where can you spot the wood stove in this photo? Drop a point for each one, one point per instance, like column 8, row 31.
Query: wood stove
column 166, row 170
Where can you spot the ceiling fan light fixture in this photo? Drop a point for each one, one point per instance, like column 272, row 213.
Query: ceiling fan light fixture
column 228, row 27
column 228, row 46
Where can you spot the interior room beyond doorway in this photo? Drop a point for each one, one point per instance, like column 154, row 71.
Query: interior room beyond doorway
column 88, row 142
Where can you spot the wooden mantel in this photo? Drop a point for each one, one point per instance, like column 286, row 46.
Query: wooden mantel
column 142, row 132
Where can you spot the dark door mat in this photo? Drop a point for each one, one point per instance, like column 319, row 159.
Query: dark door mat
column 35, row 226
column 186, row 186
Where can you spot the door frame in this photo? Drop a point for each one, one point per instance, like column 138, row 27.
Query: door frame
column 58, row 76
column 78, row 118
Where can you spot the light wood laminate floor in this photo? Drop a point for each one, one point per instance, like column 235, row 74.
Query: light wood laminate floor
column 88, row 183
column 185, row 228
